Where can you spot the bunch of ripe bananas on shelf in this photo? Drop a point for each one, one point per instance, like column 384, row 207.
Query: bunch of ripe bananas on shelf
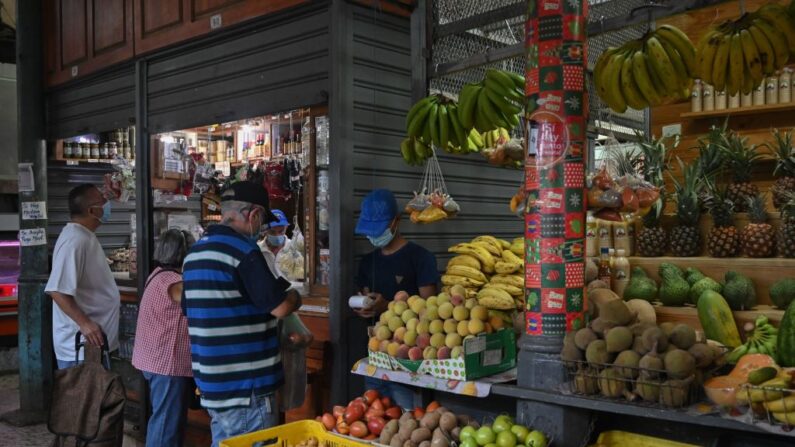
column 495, row 102
column 737, row 55
column 489, row 269
column 646, row 72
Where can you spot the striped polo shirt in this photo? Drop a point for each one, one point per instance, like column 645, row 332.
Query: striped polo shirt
column 229, row 292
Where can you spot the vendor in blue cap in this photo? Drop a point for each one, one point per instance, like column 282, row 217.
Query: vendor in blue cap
column 395, row 265
column 275, row 239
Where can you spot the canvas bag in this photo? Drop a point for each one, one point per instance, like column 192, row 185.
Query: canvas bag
column 88, row 400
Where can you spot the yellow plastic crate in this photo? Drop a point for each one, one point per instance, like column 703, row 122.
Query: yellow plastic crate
column 622, row 438
column 292, row 433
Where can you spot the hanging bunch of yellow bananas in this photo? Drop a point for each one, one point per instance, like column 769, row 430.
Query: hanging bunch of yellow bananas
column 647, row 72
column 736, row 56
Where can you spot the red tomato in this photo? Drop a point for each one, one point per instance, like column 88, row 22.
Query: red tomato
column 372, row 412
column 337, row 411
column 393, row 413
column 419, row 412
column 328, row 421
column 361, row 403
column 371, row 396
column 358, row 429
column 377, row 405
column 352, row 414
column 375, row 425
column 386, row 401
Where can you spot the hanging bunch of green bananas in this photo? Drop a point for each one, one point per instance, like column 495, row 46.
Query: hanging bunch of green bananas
column 494, row 102
column 655, row 69
column 761, row 338
column 434, row 120
column 414, row 151
column 736, row 56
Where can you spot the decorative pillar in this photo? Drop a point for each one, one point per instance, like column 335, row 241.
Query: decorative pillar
column 555, row 214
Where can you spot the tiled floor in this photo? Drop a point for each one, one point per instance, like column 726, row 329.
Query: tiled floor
column 30, row 436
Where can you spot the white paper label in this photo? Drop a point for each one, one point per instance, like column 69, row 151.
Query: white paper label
column 216, row 21
column 671, row 130
column 72, row 162
column 32, row 236
column 492, row 357
column 475, row 345
column 34, row 210
column 25, row 177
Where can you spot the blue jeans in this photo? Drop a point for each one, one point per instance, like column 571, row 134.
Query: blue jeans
column 63, row 364
column 169, row 396
column 401, row 395
column 259, row 415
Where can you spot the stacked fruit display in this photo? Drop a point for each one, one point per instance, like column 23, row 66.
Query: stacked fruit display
column 657, row 68
column 414, row 328
column 364, row 417
column 624, row 353
column 735, row 56
column 489, row 269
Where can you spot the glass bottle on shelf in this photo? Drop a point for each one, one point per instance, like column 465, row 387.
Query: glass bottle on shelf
column 695, row 97
column 67, row 150
column 95, row 151
column 86, row 150
column 77, row 151
column 605, row 274
column 771, row 90
column 104, row 151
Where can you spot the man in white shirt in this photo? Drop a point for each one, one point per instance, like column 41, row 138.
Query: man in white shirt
column 275, row 240
column 84, row 292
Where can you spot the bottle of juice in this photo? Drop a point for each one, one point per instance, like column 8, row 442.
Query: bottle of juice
column 620, row 273
column 605, row 273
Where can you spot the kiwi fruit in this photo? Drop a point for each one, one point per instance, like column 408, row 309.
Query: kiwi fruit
column 651, row 364
column 616, row 312
column 597, row 353
column 654, row 339
column 682, row 336
column 584, row 337
column 703, row 354
column 679, row 364
column 611, row 384
column 618, row 339
column 600, row 326
column 674, row 393
column 648, row 389
column 585, row 382
column 627, row 364
column 637, row 346
column 667, row 327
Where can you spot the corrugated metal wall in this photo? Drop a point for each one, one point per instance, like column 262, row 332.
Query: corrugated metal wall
column 60, row 180
column 382, row 96
column 91, row 105
column 280, row 65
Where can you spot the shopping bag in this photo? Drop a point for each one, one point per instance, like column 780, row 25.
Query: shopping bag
column 295, row 338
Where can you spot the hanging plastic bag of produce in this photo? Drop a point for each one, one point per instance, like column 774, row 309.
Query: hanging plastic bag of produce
column 433, row 203
column 294, row 338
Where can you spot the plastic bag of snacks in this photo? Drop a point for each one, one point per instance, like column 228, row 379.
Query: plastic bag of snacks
column 617, row 198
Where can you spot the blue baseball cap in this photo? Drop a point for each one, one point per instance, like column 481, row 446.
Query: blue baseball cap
column 378, row 210
column 279, row 219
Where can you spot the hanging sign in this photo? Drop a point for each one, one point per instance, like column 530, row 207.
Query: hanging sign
column 34, row 210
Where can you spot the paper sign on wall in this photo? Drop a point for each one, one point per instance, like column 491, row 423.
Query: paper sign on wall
column 34, row 210
column 25, row 177
column 32, row 236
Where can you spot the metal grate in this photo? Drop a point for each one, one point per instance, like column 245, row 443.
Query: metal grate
column 489, row 34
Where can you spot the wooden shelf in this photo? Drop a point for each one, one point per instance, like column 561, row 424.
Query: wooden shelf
column 767, row 108
column 764, row 272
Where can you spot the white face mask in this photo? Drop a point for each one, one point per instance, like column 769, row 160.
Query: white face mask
column 383, row 240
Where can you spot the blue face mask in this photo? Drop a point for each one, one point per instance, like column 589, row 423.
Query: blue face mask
column 383, row 240
column 276, row 241
column 105, row 213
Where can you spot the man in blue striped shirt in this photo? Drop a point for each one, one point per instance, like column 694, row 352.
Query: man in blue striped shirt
column 233, row 302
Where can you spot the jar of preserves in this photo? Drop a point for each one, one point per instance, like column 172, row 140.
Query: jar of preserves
column 113, row 149
column 86, row 148
column 708, row 98
column 67, row 150
column 720, row 100
column 759, row 95
column 104, row 151
column 771, row 90
column 127, row 151
column 784, row 86
column 94, row 150
column 695, row 97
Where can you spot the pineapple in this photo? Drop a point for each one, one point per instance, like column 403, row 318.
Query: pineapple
column 786, row 232
column 740, row 158
column 685, row 238
column 785, row 167
column 758, row 237
column 723, row 240
column 652, row 240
